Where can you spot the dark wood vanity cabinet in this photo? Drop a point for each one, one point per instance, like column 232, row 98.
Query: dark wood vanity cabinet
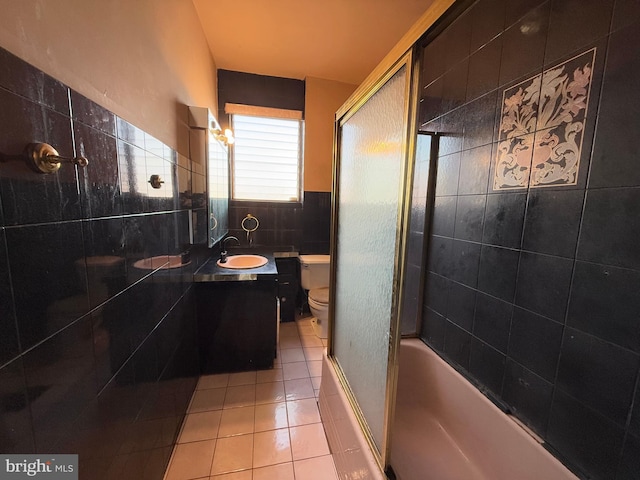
column 288, row 286
column 237, row 324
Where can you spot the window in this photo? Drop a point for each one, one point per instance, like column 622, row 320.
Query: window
column 266, row 158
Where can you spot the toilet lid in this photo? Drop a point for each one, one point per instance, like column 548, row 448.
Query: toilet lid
column 319, row 295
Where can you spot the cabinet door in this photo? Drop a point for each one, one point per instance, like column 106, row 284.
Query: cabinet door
column 287, row 293
column 237, row 324
column 288, row 284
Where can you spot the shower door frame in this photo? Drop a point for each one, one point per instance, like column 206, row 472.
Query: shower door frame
column 409, row 61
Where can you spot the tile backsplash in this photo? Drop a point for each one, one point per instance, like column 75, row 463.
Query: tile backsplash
column 97, row 355
column 303, row 227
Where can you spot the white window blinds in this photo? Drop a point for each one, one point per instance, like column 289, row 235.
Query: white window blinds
column 266, row 158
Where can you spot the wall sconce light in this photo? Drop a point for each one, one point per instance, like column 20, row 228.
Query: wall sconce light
column 225, row 136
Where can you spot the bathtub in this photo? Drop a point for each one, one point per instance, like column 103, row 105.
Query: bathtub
column 351, row 454
column 445, row 429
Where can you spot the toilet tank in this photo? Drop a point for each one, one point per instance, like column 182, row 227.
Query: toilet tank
column 314, row 271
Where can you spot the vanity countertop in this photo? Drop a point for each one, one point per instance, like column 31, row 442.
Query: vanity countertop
column 210, row 271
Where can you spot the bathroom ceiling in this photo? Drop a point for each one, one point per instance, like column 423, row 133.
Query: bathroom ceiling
column 339, row 40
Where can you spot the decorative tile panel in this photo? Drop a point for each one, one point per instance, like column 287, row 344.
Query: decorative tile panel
column 542, row 122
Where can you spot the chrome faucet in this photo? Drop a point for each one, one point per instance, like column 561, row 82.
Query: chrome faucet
column 223, row 248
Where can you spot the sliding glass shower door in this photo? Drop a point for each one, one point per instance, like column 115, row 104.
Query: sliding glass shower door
column 369, row 219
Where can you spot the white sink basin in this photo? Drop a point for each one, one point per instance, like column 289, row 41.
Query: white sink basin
column 244, row 261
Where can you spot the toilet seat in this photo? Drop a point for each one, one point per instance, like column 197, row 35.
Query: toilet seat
column 319, row 295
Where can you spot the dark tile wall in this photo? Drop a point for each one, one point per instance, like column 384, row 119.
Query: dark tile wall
column 97, row 356
column 280, row 224
column 532, row 293
column 303, row 227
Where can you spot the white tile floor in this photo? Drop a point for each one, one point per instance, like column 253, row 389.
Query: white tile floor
column 261, row 425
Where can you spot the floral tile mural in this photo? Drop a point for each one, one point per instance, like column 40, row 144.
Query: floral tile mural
column 541, row 126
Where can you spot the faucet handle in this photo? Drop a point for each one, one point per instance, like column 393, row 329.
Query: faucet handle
column 223, row 248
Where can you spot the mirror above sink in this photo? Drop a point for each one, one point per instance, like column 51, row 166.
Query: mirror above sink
column 210, row 151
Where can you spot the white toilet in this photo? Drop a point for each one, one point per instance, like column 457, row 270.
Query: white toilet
column 314, row 277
